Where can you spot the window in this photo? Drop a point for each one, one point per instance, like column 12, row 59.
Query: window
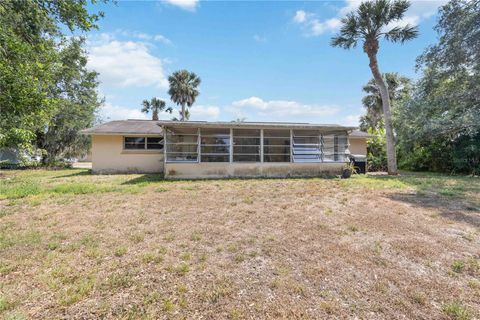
column 306, row 146
column 215, row 145
column 328, row 148
column 182, row 145
column 155, row 143
column 134, row 143
column 276, row 145
column 341, row 148
column 335, row 148
column 142, row 143
column 246, row 145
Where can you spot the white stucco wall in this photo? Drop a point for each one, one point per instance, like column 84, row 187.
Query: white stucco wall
column 108, row 156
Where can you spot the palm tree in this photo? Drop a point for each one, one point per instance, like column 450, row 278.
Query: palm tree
column 183, row 89
column 187, row 116
column 398, row 87
column 369, row 23
column 155, row 105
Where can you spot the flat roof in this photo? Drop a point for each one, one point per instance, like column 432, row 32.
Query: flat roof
column 252, row 125
column 151, row 127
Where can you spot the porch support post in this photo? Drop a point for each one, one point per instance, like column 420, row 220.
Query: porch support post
column 261, row 145
column 291, row 145
column 165, row 142
column 231, row 146
column 199, row 150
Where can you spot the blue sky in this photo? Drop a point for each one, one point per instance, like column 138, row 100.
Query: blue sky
column 259, row 60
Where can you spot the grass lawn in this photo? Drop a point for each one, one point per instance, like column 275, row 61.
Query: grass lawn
column 80, row 246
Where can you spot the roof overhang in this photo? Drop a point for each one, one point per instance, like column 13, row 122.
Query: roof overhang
column 254, row 125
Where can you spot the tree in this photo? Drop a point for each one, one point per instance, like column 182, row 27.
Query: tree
column 76, row 95
column 369, row 23
column 439, row 127
column 183, row 89
column 187, row 116
column 399, row 87
column 31, row 39
column 155, row 105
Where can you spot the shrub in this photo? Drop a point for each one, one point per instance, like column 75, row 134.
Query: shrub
column 376, row 151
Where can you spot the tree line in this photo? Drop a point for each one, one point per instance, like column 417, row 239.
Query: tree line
column 436, row 119
column 47, row 95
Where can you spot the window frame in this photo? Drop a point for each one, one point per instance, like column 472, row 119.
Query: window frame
column 145, row 144
column 171, row 132
column 242, row 134
column 210, row 133
column 273, row 135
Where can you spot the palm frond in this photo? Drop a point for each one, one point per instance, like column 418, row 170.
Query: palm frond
column 402, row 34
column 397, row 10
column 349, row 33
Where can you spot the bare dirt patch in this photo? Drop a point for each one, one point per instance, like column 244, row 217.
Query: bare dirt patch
column 254, row 249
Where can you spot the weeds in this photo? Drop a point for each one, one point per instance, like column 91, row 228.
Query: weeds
column 456, row 311
column 120, row 251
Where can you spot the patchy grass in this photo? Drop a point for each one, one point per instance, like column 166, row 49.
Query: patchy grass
column 76, row 245
column 457, row 311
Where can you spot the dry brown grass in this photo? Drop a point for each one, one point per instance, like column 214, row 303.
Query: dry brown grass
column 135, row 246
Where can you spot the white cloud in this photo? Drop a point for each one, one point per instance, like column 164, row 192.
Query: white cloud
column 351, row 120
column 201, row 112
column 125, row 63
column 140, row 35
column 418, row 10
column 190, row 5
column 318, row 27
column 258, row 38
column 285, row 108
column 300, row 16
column 111, row 112
column 161, row 38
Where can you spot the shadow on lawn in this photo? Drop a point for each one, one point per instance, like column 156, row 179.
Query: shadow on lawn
column 87, row 172
column 455, row 209
column 151, row 178
column 145, row 179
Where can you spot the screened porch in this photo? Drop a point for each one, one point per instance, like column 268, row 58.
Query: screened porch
column 254, row 145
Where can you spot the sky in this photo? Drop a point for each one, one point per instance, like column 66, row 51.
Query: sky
column 257, row 60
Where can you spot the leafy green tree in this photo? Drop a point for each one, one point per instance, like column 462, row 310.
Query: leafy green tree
column 439, row 127
column 369, row 24
column 155, row 106
column 399, row 87
column 376, row 152
column 77, row 103
column 184, row 89
column 31, row 37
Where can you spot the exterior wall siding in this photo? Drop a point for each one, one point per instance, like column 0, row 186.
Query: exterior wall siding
column 108, row 156
column 358, row 146
column 254, row 169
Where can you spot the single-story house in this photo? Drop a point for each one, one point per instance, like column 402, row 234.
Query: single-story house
column 200, row 149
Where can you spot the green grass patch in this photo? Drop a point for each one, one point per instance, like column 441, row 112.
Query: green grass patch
column 18, row 188
column 456, row 311
column 82, row 188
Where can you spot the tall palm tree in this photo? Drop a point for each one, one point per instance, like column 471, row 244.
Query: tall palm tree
column 187, row 116
column 183, row 89
column 398, row 87
column 369, row 23
column 155, row 105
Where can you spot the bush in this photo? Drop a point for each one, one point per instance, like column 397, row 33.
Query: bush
column 376, row 151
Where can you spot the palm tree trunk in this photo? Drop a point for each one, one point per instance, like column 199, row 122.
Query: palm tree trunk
column 387, row 115
column 183, row 112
